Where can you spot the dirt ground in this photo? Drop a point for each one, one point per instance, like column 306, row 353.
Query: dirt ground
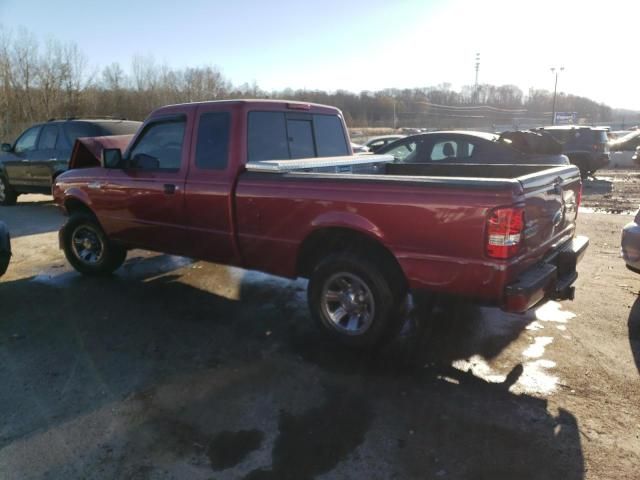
column 613, row 191
column 181, row 369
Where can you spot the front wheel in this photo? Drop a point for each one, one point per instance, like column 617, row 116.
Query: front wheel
column 8, row 196
column 88, row 249
column 355, row 301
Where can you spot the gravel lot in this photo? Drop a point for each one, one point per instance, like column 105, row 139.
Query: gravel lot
column 181, row 369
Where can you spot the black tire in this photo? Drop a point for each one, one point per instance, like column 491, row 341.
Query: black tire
column 8, row 196
column 96, row 254
column 385, row 290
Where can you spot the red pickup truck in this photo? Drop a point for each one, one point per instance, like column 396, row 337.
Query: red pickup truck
column 273, row 186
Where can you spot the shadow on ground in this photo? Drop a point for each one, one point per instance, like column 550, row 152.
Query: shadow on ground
column 165, row 373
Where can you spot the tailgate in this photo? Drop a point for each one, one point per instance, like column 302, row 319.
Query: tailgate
column 551, row 207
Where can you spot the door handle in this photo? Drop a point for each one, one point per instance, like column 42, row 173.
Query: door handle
column 53, row 159
column 170, row 188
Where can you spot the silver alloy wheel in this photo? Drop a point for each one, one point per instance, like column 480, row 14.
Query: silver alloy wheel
column 87, row 244
column 3, row 190
column 347, row 302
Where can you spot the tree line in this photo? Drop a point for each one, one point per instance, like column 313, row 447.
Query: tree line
column 52, row 79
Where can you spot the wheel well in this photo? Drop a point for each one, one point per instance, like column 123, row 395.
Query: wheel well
column 332, row 240
column 73, row 205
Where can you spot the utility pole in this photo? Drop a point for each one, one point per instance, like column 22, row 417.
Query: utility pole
column 475, row 90
column 556, row 71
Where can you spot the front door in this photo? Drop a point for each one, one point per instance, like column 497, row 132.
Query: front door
column 146, row 198
column 16, row 162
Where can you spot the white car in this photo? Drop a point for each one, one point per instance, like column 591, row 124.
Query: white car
column 622, row 149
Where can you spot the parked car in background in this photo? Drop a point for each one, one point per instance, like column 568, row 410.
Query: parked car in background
column 477, row 147
column 272, row 186
column 42, row 152
column 5, row 248
column 376, row 143
column 630, row 244
column 586, row 147
column 623, row 149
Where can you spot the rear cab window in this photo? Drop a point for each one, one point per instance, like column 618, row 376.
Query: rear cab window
column 285, row 136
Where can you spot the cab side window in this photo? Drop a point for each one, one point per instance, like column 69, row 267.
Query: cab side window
column 159, row 147
column 27, row 141
column 212, row 149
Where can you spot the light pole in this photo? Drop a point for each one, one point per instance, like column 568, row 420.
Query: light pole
column 556, row 71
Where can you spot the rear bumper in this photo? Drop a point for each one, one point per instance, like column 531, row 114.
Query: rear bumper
column 551, row 279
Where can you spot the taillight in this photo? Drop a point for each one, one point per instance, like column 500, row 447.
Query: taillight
column 504, row 232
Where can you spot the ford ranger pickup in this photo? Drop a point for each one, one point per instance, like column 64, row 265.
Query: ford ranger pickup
column 273, row 186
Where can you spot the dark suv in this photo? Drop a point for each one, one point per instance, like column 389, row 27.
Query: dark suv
column 586, row 147
column 42, row 152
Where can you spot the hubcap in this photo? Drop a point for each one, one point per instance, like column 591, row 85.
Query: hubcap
column 87, row 244
column 3, row 190
column 347, row 302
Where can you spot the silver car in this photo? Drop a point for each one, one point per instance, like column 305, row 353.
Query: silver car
column 631, row 244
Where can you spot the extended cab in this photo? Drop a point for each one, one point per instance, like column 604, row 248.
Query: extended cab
column 272, row 186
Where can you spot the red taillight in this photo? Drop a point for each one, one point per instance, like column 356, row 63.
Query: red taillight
column 504, row 232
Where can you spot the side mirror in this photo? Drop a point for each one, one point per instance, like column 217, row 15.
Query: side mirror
column 112, row 158
column 6, row 147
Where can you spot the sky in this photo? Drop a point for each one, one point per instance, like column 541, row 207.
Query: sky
column 360, row 45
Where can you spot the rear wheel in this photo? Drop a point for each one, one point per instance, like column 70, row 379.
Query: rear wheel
column 8, row 196
column 356, row 301
column 88, row 249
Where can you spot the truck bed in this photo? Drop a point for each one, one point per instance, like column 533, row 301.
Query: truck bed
column 383, row 168
column 411, row 208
